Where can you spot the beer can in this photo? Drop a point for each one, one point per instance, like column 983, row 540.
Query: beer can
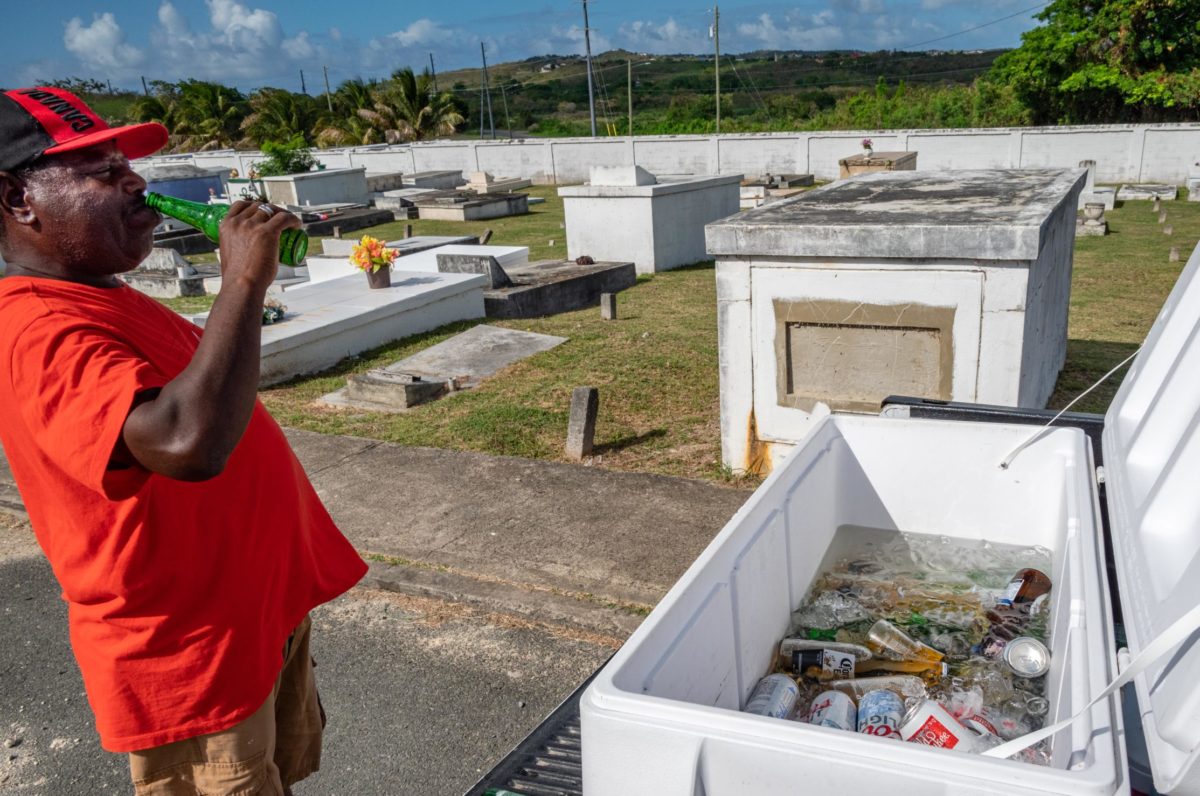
column 997, row 723
column 880, row 713
column 932, row 725
column 833, row 709
column 774, row 696
column 1027, row 657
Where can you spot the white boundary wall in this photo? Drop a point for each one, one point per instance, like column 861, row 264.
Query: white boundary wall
column 1123, row 153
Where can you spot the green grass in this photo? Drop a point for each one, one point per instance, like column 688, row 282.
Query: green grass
column 1118, row 285
column 656, row 367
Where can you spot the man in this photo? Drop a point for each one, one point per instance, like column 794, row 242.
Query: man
column 186, row 537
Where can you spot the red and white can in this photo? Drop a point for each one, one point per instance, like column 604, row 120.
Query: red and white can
column 931, row 724
column 834, row 709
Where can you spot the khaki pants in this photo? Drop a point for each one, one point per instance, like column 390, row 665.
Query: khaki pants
column 278, row 745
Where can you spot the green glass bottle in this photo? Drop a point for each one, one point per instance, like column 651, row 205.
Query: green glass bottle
column 293, row 243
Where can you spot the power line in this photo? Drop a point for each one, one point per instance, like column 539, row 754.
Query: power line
column 977, row 27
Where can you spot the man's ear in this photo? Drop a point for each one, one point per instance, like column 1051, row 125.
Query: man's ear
column 14, row 200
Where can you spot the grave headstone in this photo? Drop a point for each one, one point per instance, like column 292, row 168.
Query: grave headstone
column 608, row 306
column 581, row 426
column 1173, row 257
column 474, row 264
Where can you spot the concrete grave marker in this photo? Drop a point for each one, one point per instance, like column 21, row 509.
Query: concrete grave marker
column 581, row 426
column 474, row 264
column 460, row 363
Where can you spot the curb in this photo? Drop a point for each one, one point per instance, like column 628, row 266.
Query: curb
column 535, row 605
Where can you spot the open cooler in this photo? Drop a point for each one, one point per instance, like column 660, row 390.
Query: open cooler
column 663, row 716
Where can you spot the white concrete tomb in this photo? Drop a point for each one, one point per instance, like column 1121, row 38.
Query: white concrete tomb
column 949, row 285
column 623, row 215
column 326, row 323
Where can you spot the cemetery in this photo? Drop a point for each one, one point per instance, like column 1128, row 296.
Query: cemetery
column 627, row 213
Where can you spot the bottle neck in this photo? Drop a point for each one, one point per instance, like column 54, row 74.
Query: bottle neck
column 201, row 216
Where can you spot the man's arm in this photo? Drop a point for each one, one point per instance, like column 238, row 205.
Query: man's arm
column 189, row 428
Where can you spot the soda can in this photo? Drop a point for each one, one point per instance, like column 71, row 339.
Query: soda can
column 774, row 696
column 932, row 725
column 880, row 713
column 833, row 709
column 1027, row 657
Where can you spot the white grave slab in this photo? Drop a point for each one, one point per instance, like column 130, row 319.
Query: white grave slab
column 1146, row 191
column 657, row 226
column 342, row 317
column 950, row 286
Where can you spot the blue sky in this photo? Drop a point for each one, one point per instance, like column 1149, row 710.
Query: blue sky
column 251, row 43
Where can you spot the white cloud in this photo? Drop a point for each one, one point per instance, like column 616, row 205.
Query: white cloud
column 101, row 45
column 796, row 33
column 423, row 32
column 663, row 37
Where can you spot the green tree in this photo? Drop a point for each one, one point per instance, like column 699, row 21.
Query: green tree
column 279, row 115
column 408, row 105
column 288, row 157
column 209, row 115
column 198, row 115
column 1108, row 61
column 356, row 119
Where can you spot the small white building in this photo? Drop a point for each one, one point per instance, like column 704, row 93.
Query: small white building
column 627, row 214
column 951, row 285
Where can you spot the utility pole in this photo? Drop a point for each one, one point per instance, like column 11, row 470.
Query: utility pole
column 433, row 71
column 303, row 87
column 629, row 91
column 507, row 121
column 487, row 90
column 587, row 43
column 717, row 50
column 328, row 93
column 145, row 90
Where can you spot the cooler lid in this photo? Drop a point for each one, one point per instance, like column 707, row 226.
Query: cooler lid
column 1152, row 462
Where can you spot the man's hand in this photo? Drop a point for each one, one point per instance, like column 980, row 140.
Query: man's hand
column 250, row 242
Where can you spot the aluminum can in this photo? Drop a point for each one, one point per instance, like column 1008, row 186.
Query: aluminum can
column 932, row 725
column 833, row 709
column 1027, row 657
column 774, row 696
column 880, row 713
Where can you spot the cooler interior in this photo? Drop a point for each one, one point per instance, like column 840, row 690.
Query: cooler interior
column 696, row 659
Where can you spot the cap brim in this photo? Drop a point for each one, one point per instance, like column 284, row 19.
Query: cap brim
column 135, row 140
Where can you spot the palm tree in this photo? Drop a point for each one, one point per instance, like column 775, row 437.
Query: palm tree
column 354, row 120
column 279, row 115
column 413, row 110
column 209, row 115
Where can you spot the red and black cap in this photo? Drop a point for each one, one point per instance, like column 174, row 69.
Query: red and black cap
column 47, row 121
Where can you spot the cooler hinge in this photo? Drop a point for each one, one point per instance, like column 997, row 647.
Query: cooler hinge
column 1100, row 474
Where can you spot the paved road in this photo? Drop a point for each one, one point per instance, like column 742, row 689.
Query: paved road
column 423, row 695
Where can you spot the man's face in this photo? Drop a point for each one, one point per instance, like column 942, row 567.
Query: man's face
column 90, row 211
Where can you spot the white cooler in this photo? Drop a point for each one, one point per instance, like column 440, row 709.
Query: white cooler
column 662, row 717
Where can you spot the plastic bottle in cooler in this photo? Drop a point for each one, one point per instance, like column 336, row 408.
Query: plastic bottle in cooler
column 887, row 640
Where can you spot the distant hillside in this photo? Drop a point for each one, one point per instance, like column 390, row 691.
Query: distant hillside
column 675, row 93
column 765, row 90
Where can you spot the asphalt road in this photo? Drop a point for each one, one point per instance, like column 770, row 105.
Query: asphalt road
column 423, row 696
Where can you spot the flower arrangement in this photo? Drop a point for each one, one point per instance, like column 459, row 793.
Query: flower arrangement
column 370, row 254
column 273, row 310
column 867, row 145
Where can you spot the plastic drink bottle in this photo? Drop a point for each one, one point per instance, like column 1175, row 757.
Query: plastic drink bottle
column 293, row 243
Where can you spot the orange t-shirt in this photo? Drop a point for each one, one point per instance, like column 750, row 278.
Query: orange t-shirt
column 181, row 594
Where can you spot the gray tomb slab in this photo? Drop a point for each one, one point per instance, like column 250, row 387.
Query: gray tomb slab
column 459, row 363
column 165, row 274
column 1146, row 191
column 484, row 264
